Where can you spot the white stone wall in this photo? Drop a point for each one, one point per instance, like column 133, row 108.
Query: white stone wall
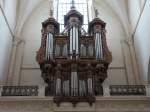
column 9, row 9
column 29, row 73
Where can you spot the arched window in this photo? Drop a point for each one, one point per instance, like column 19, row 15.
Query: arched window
column 61, row 7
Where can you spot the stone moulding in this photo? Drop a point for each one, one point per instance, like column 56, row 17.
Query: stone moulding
column 102, row 104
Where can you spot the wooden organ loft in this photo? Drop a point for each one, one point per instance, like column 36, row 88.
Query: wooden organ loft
column 73, row 63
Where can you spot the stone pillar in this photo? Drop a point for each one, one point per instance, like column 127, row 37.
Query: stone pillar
column 18, row 63
column 15, row 44
column 132, row 57
column 130, row 62
column 134, row 63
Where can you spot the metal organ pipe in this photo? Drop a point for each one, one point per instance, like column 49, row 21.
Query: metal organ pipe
column 58, row 86
column 82, row 88
column 71, row 41
column 64, row 53
column 90, row 88
column 77, row 41
column 74, row 84
column 51, row 37
column 46, row 53
column 66, row 87
column 98, row 46
column 74, row 38
column 101, row 48
column 49, row 46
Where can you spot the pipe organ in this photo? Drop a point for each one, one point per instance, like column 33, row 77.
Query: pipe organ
column 73, row 64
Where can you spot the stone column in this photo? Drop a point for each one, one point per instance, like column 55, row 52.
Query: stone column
column 15, row 45
column 18, row 63
column 130, row 62
column 134, row 62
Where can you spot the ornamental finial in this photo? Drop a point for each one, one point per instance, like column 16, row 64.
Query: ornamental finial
column 96, row 12
column 51, row 8
column 72, row 4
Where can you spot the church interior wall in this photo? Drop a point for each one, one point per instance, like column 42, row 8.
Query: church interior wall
column 139, row 18
column 9, row 9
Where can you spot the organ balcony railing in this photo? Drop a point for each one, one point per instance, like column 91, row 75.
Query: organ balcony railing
column 74, row 65
column 112, row 90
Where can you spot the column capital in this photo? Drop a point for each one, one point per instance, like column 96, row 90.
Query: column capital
column 128, row 41
column 17, row 41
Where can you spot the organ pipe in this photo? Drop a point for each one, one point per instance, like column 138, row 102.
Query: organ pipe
column 66, row 87
column 64, row 52
column 77, row 38
column 83, row 50
column 74, row 38
column 74, row 84
column 49, row 46
column 58, row 86
column 98, row 46
column 82, row 87
column 90, row 88
column 71, row 41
